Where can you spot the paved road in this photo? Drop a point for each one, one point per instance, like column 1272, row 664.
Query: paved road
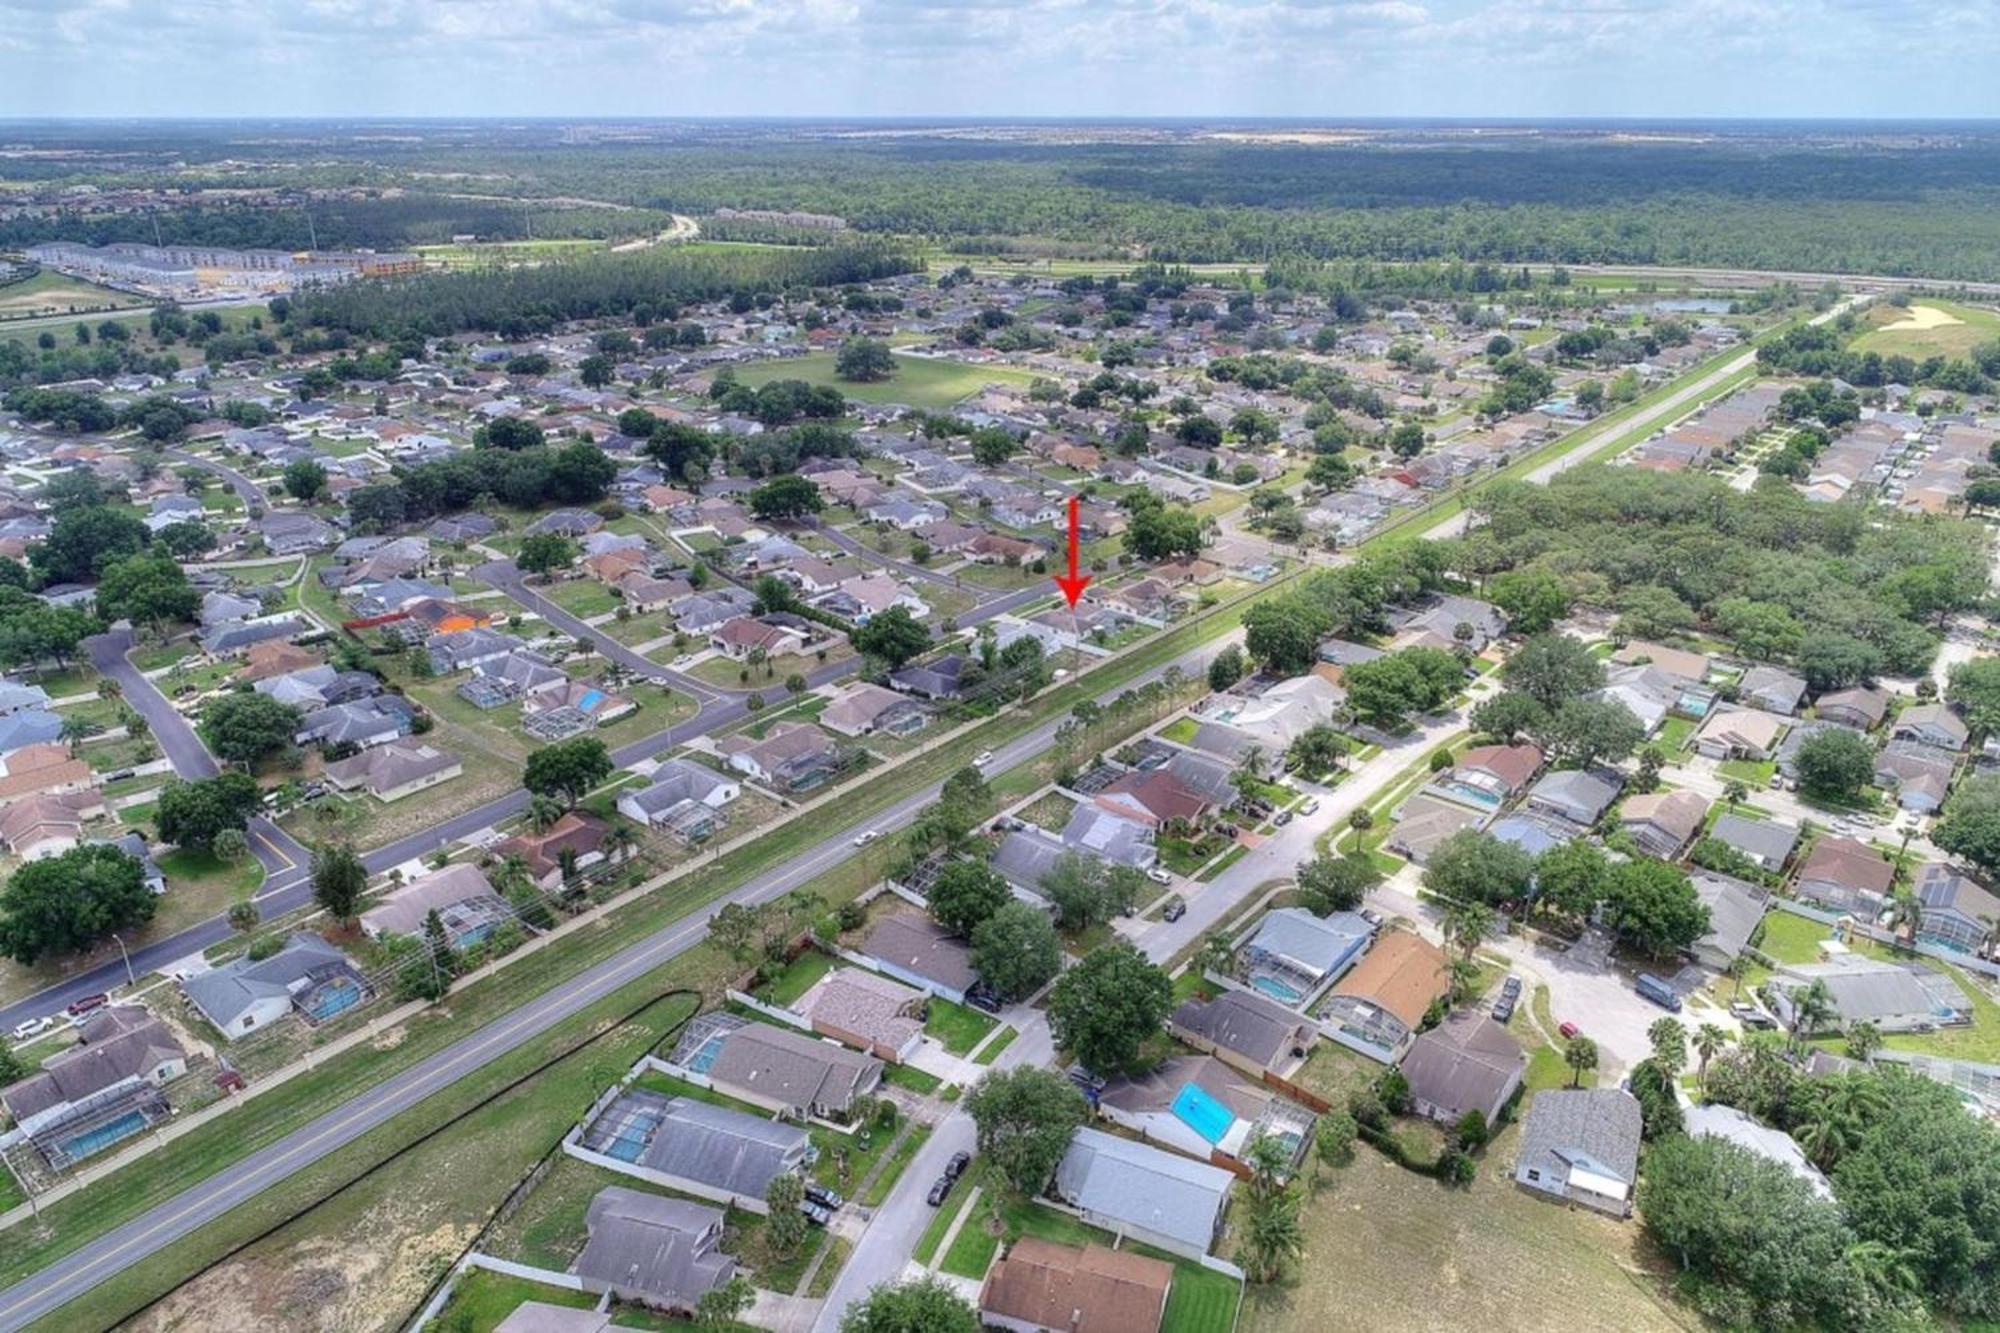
column 117, row 1250
column 252, row 495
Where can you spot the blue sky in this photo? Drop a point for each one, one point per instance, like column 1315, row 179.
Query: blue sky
column 1307, row 58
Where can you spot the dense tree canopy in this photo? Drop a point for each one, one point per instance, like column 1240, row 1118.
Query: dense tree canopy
column 1104, row 1009
column 69, row 902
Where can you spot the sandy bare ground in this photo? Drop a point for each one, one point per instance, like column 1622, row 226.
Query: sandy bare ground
column 1921, row 318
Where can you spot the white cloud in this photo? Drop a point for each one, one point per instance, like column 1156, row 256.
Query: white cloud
column 1330, row 58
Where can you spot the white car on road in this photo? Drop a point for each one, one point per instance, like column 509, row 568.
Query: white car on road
column 863, row 839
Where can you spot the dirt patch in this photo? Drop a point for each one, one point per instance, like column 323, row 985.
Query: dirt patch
column 390, row 1040
column 330, row 1285
column 1919, row 318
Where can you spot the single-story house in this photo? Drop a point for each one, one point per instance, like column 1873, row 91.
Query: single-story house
column 575, row 841
column 391, row 772
column 1294, row 953
column 652, row 1249
column 696, row 1147
column 461, row 896
column 1663, row 822
column 308, row 975
column 791, row 1073
column 1847, row 876
column 792, row 756
column 1466, row 1063
column 1768, row 842
column 1377, row 1006
column 1862, row 707
column 683, row 798
column 1739, row 733
column 75, row 1104
column 1958, row 912
column 1143, row 1193
column 1574, row 795
column 867, row 1011
column 43, row 826
column 1773, row 689
column 862, row 709
column 1423, row 822
column 1246, row 1031
column 1894, row 996
column 1582, row 1145
column 1716, row 1121
column 1040, row 1286
column 1734, row 909
column 911, row 947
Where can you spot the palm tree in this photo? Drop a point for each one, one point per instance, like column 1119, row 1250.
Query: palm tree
column 1669, row 1039
column 1812, row 1009
column 1708, row 1043
column 1882, row 1266
column 1579, row 1055
column 1905, row 915
column 1466, row 924
column 1863, row 1040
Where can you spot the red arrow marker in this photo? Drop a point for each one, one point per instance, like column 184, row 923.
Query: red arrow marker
column 1072, row 586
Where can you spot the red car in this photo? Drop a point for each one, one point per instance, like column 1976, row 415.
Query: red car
column 1569, row 1030
column 88, row 1003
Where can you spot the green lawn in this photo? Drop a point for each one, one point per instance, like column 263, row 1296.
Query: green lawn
column 481, row 1300
column 918, row 381
column 582, row 598
column 940, row 1223
column 916, row 1080
column 958, row 1028
column 797, row 978
column 899, row 1161
column 991, row 1050
column 1931, row 328
column 1791, row 938
column 1754, row 773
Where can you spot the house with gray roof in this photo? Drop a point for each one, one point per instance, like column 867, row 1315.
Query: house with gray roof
column 1109, row 836
column 1716, row 1121
column 1894, row 996
column 308, row 974
column 1466, row 1063
column 1773, row 689
column 236, row 637
column 1294, row 952
column 100, row 1091
column 683, row 798
column 1579, row 797
column 461, row 896
column 695, row 1147
column 1768, row 842
column 463, row 649
column 793, row 1074
column 1143, row 1193
column 1581, row 1145
column 392, row 771
column 1734, row 908
column 1247, row 1031
column 653, row 1250
column 913, row 948
column 1958, row 912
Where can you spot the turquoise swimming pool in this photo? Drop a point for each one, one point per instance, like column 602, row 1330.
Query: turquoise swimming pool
column 1282, row 991
column 1202, row 1113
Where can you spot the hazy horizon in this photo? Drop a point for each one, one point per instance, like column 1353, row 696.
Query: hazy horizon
column 1307, row 60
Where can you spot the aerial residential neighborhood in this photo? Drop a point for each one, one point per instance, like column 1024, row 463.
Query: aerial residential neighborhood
column 848, row 714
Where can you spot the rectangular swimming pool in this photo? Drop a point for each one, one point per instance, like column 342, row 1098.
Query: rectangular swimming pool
column 97, row 1140
column 1202, row 1113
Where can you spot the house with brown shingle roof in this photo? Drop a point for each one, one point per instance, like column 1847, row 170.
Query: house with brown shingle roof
column 1845, row 875
column 274, row 658
column 1378, row 1005
column 1041, row 1285
column 1154, row 798
column 1663, row 822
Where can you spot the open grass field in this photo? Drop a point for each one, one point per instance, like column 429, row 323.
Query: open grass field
column 501, row 254
column 918, row 381
column 1927, row 328
column 51, row 293
column 1387, row 1249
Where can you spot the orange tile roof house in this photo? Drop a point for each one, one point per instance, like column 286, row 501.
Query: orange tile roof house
column 1042, row 1285
column 42, row 769
column 1377, row 1006
column 1157, row 797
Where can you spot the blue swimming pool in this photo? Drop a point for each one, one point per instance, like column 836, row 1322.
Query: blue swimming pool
column 590, row 700
column 703, row 1058
column 336, row 996
column 632, row 1138
column 1471, row 795
column 1202, row 1113
column 1282, row 991
column 97, row 1140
